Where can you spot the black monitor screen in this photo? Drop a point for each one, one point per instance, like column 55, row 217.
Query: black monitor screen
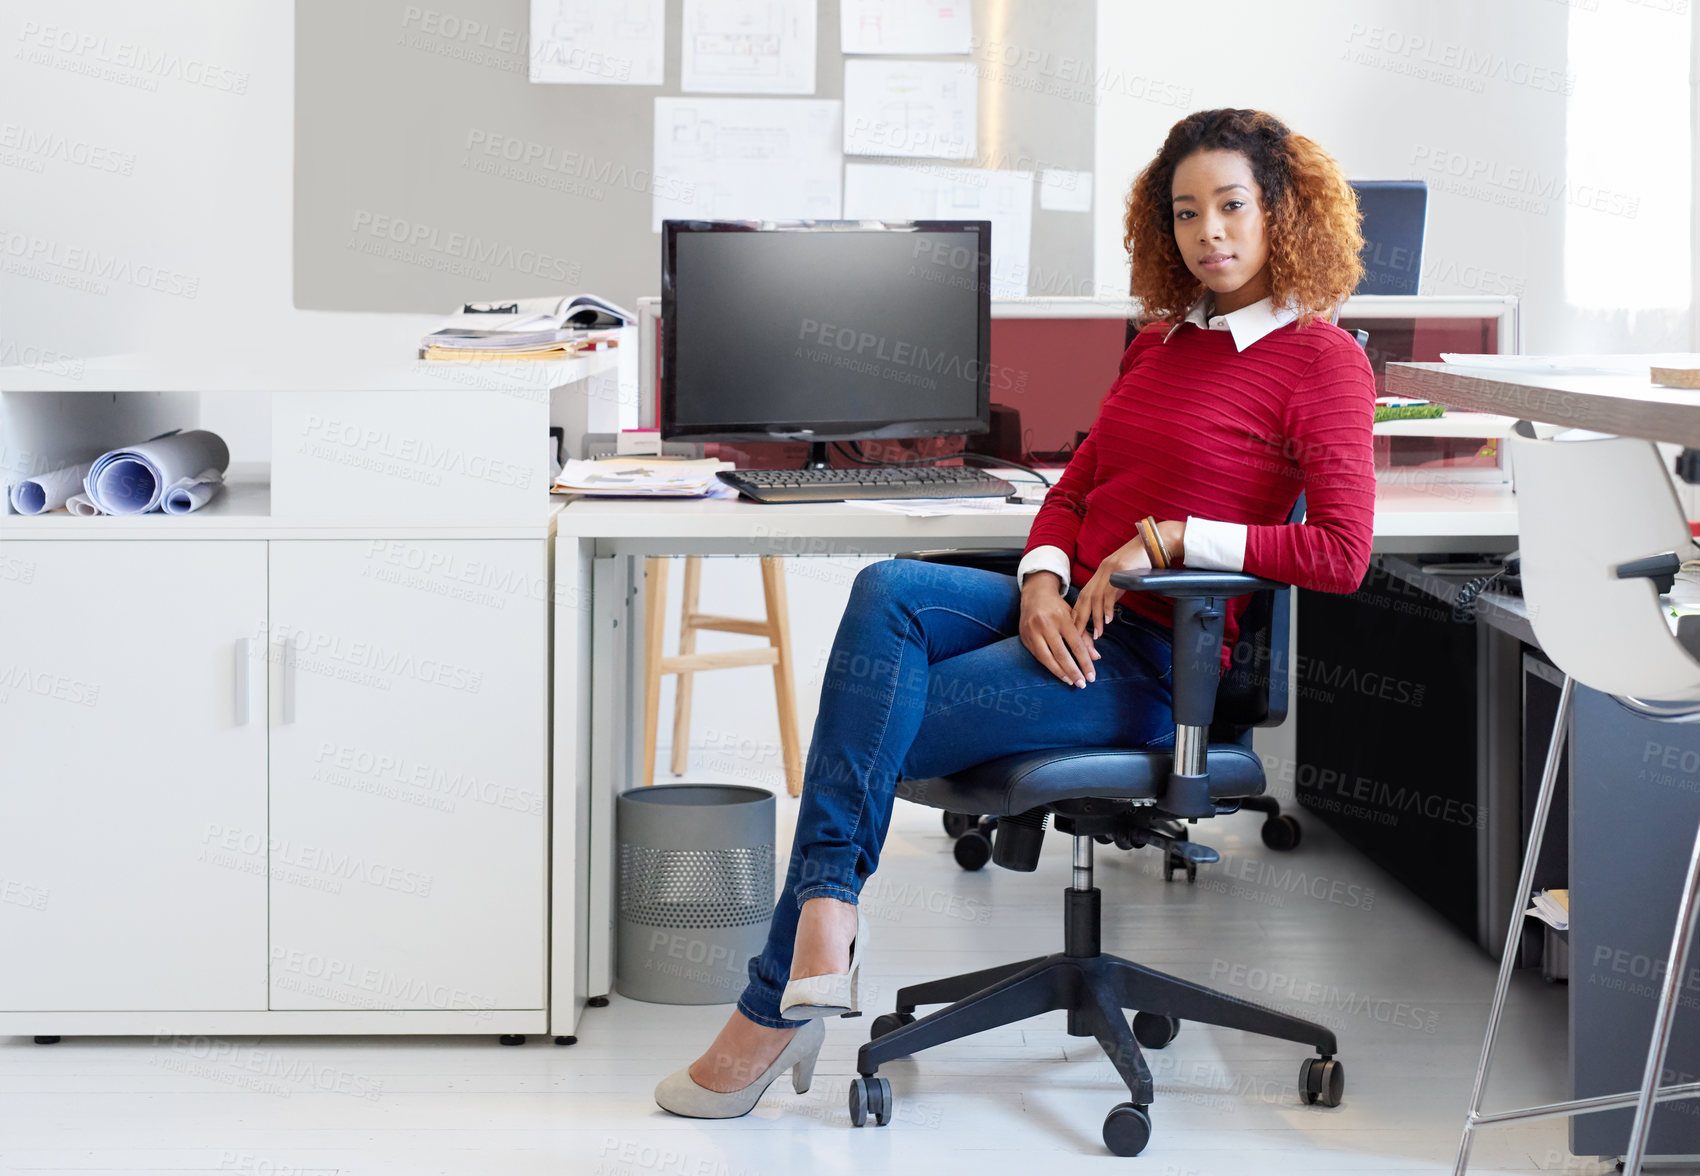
column 824, row 330
column 1394, row 213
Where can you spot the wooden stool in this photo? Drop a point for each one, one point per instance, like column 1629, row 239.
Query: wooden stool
column 775, row 626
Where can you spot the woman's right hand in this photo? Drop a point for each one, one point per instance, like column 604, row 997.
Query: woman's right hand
column 1051, row 633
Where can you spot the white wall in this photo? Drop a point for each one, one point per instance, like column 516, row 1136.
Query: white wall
column 1469, row 96
column 194, row 102
column 175, row 232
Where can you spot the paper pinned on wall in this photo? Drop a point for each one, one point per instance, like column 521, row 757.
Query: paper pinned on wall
column 598, row 42
column 747, row 47
column 889, row 191
column 921, row 109
column 905, row 26
column 747, row 159
column 1065, row 191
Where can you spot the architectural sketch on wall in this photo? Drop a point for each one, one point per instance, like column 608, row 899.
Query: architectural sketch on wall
column 905, row 26
column 887, row 191
column 599, row 42
column 922, row 109
column 748, row 47
column 747, row 159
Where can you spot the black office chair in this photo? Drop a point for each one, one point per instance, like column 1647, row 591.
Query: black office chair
column 1128, row 795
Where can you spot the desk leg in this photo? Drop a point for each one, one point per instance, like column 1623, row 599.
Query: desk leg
column 616, row 649
column 570, row 795
column 1499, row 783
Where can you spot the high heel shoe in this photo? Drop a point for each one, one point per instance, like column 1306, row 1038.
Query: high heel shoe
column 680, row 1094
column 832, row 995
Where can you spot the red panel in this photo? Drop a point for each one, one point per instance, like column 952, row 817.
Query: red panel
column 1055, row 372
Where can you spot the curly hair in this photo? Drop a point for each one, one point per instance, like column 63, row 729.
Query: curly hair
column 1314, row 234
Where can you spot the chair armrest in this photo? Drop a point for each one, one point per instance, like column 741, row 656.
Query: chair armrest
column 1192, row 582
column 1200, row 612
column 990, row 559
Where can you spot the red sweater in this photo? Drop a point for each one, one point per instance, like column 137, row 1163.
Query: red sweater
column 1194, row 427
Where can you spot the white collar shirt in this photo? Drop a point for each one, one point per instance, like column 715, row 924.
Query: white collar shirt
column 1247, row 325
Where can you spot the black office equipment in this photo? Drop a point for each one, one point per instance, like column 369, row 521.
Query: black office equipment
column 824, row 331
column 1004, row 438
column 1394, row 215
column 830, row 485
column 1094, row 793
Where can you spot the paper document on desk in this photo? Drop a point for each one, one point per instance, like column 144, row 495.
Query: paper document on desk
column 1573, row 365
column 926, row 508
column 642, row 477
column 1552, row 907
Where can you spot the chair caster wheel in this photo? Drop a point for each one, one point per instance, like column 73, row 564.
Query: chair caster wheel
column 47, row 1040
column 512, row 1039
column 1155, row 1030
column 972, row 850
column 956, row 824
column 1127, row 1129
column 1173, row 862
column 870, row 1097
column 1281, row 833
column 889, row 1023
column 1322, row 1080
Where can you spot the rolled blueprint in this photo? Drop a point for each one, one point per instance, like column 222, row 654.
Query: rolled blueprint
column 79, row 504
column 187, row 494
column 136, row 479
column 46, row 492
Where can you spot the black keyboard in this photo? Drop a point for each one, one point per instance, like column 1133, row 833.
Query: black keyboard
column 876, row 482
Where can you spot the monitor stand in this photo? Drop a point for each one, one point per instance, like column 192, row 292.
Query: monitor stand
column 818, row 458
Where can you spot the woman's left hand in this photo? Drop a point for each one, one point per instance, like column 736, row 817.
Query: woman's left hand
column 1095, row 607
column 1096, row 604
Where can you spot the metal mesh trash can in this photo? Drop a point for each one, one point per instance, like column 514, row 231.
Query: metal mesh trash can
column 695, row 890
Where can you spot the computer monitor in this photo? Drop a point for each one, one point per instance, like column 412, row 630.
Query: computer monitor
column 1394, row 213
column 824, row 331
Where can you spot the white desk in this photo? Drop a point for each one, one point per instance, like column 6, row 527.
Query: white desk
column 598, row 637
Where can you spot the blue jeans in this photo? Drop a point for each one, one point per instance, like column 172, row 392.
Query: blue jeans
column 928, row 676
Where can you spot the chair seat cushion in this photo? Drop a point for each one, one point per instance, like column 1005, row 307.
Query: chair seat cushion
column 1016, row 783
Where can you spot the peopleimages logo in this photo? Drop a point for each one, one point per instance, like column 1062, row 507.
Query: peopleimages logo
column 1462, row 60
column 23, row 253
column 911, row 363
column 418, row 235
column 96, row 50
column 50, row 145
column 597, row 174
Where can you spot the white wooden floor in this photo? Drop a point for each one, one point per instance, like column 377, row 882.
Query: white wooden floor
column 1321, row 931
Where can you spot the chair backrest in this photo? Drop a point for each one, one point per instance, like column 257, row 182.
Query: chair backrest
column 1253, row 690
column 1584, row 507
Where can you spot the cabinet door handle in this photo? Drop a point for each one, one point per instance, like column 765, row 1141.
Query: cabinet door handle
column 286, row 706
column 244, row 680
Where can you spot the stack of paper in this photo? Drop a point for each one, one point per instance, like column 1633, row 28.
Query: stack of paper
column 527, row 328
column 1552, row 907
column 514, row 345
column 644, row 477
